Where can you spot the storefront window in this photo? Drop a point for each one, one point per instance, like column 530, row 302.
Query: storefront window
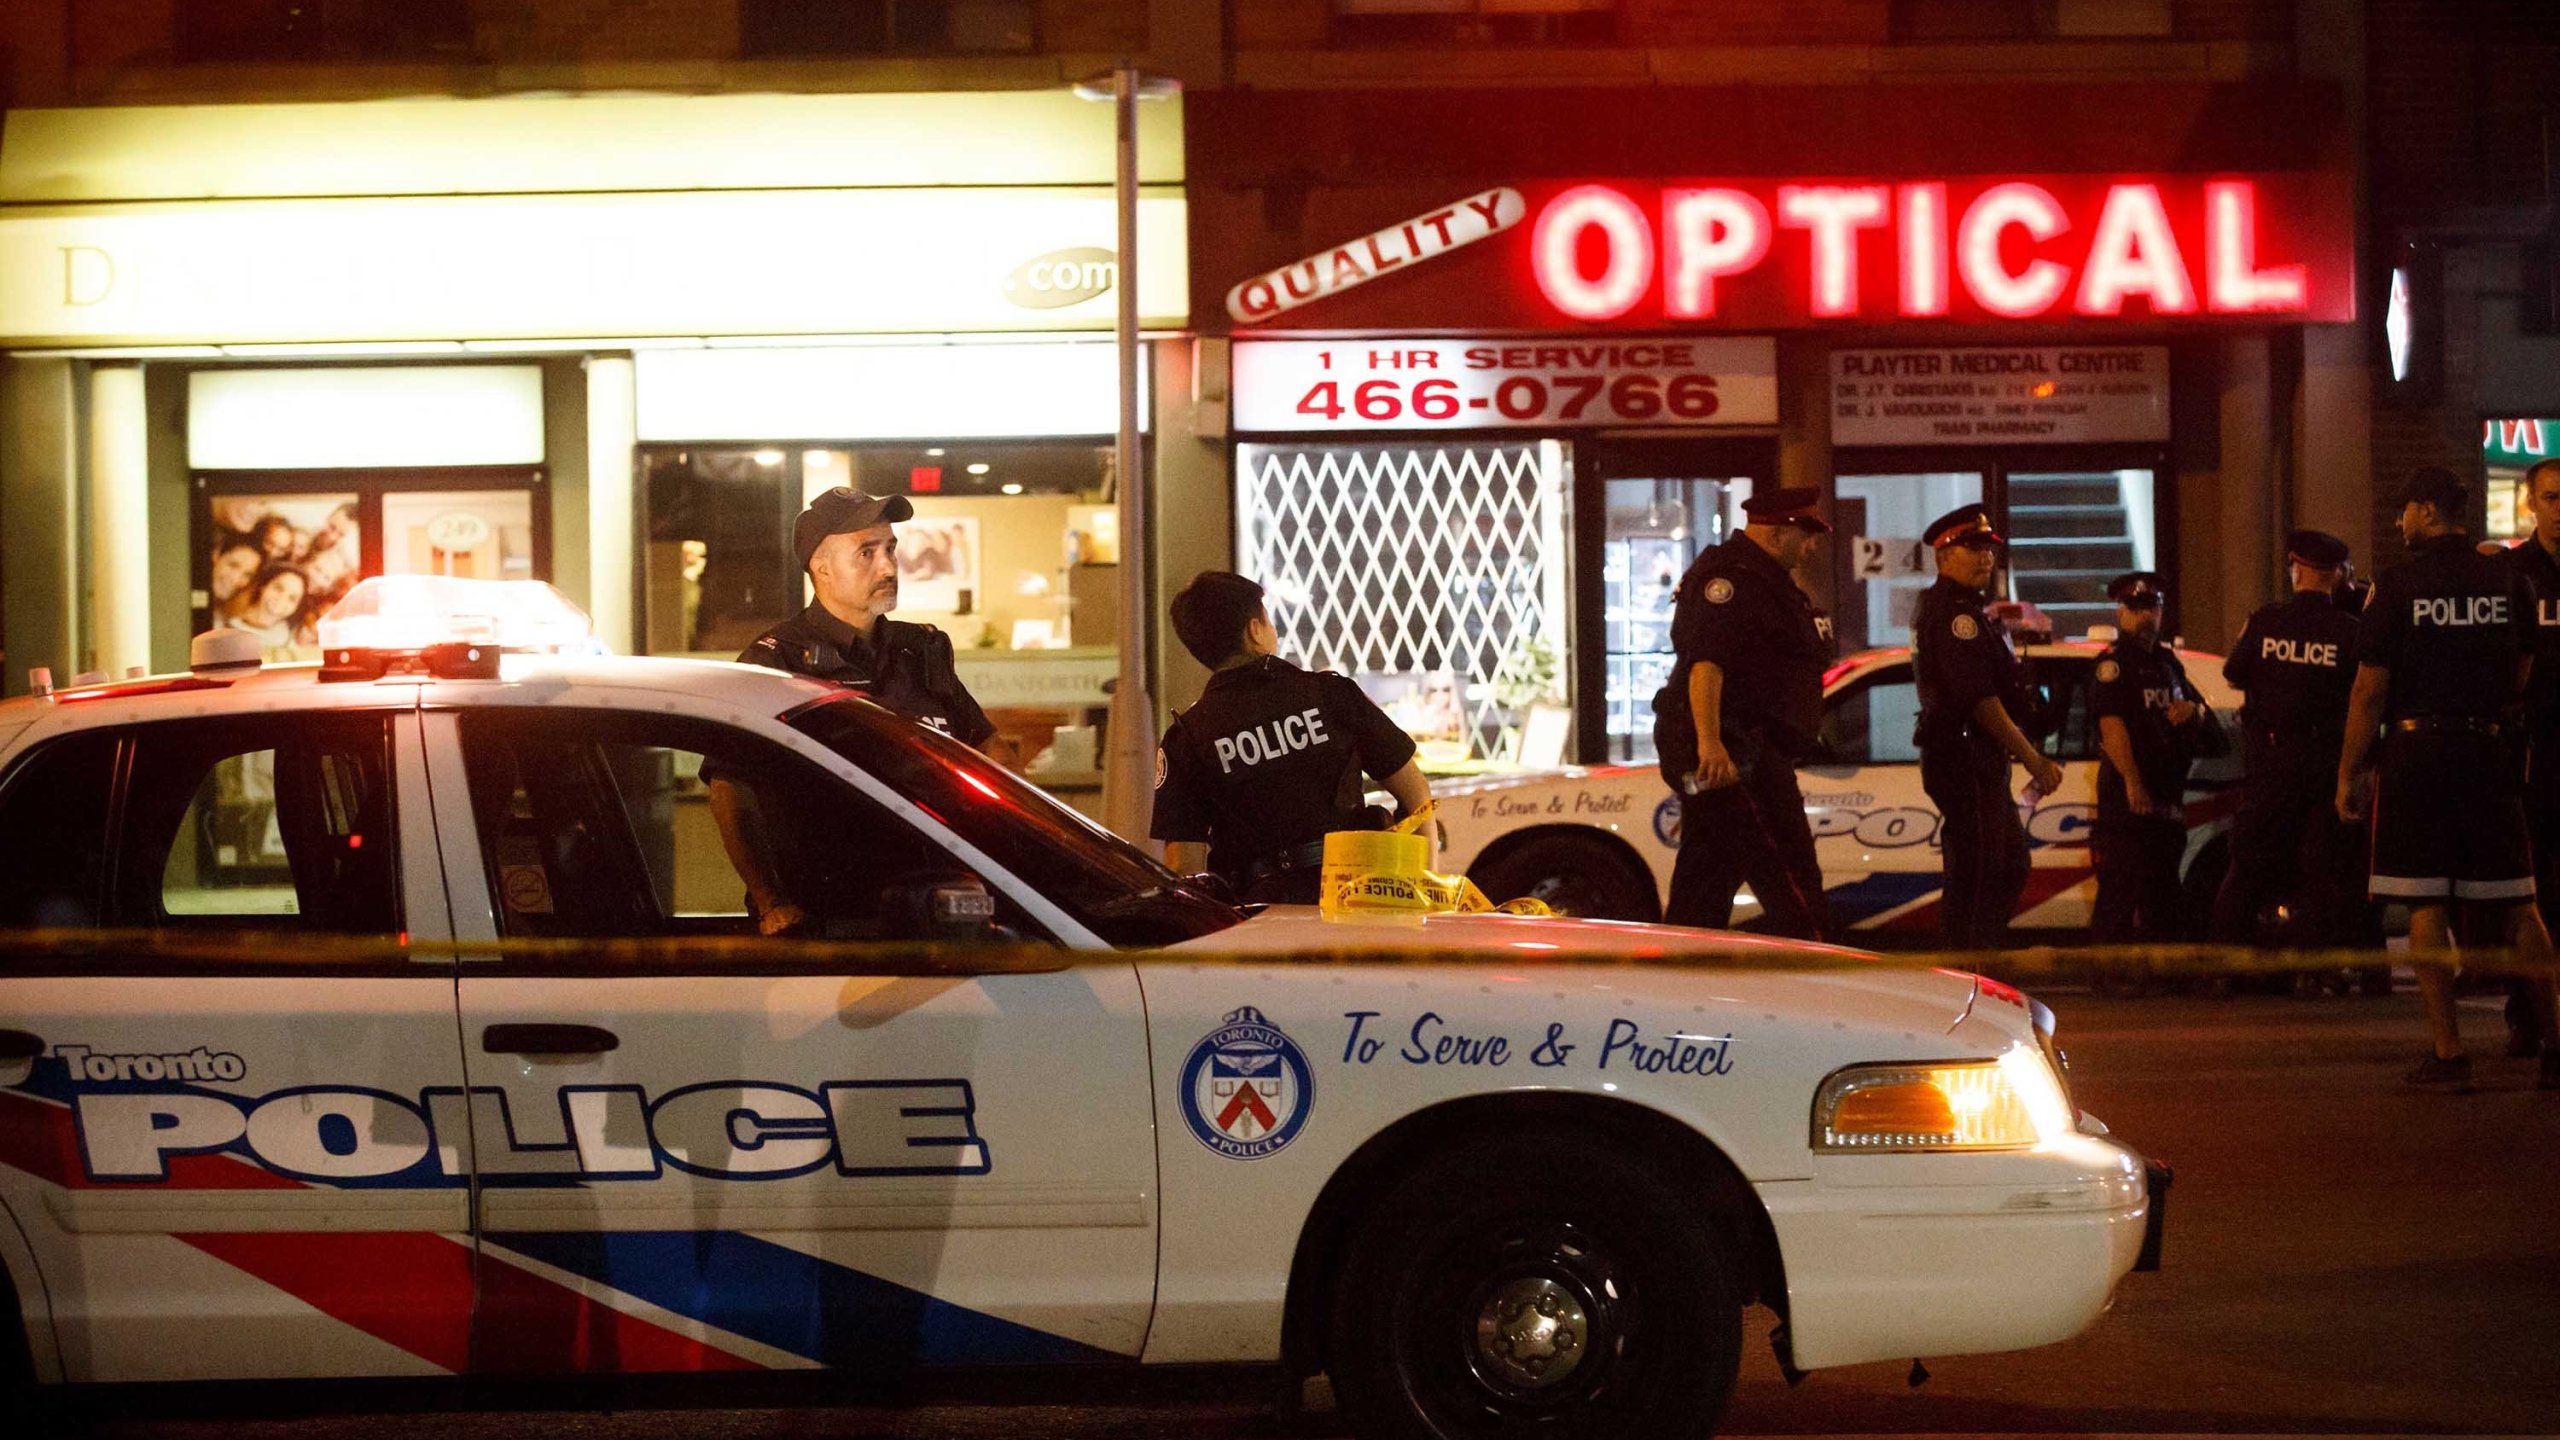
column 1656, row 528
column 1013, row 553
column 1433, row 573
column 2509, row 448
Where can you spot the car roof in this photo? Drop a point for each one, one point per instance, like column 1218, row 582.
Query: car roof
column 2204, row 668
column 298, row 686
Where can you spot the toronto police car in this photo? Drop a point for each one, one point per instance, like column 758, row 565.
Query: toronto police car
column 1600, row 841
column 1534, row 1177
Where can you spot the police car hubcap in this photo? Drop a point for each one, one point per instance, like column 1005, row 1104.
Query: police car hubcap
column 1531, row 1333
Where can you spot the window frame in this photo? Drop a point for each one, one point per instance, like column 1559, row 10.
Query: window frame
column 125, row 881
column 594, row 726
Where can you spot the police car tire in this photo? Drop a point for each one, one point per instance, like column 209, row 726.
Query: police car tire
column 1579, row 875
column 1471, row 1224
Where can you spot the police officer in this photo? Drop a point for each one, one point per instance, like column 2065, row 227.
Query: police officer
column 2537, row 558
column 850, row 554
column 2295, row 663
column 845, row 543
column 2443, row 652
column 1973, row 692
column 1252, row 778
column 2148, row 717
column 1742, row 707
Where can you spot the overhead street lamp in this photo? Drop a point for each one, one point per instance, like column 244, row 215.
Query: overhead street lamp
column 1128, row 789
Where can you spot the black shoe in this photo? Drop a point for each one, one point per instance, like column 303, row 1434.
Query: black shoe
column 2521, row 1045
column 2437, row 1073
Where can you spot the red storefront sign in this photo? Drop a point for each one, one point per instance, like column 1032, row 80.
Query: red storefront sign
column 1759, row 254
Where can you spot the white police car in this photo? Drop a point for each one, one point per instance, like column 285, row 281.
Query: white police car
column 1600, row 841
column 1534, row 1182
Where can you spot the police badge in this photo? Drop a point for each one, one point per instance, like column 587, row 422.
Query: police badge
column 1965, row 627
column 1246, row 1089
column 1719, row 590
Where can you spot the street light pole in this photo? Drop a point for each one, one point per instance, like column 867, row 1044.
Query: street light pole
column 1128, row 790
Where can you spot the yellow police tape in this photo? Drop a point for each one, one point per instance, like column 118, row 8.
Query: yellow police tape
column 72, row 954
column 1386, row 875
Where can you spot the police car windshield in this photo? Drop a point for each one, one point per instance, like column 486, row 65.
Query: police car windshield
column 1109, row 885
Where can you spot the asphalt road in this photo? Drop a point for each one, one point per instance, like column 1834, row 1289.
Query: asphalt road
column 2343, row 1257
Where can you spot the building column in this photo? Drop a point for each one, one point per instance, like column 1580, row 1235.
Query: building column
column 613, row 437
column 119, row 520
column 2239, row 532
column 39, row 470
column 2333, row 483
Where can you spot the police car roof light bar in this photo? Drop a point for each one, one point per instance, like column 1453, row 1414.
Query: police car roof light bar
column 446, row 626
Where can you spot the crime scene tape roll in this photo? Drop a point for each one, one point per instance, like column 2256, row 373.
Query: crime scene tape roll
column 1385, row 875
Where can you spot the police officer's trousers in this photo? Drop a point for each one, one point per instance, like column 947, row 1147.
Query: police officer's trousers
column 2288, row 846
column 1752, row 832
column 2139, row 898
column 1981, row 844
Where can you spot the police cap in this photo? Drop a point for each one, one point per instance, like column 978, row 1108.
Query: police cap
column 1964, row 525
column 2316, row 548
column 2437, row 486
column 2138, row 590
column 1791, row 506
column 842, row 511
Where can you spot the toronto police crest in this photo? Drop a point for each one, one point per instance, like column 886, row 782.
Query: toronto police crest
column 1246, row 1089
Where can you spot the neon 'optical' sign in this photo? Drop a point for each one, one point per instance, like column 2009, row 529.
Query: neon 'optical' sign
column 2007, row 249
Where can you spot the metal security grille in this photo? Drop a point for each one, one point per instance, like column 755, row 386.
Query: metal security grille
column 1409, row 558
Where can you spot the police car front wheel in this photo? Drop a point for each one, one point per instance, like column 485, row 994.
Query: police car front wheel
column 1533, row 1284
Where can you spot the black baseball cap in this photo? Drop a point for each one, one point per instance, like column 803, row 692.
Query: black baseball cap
column 1791, row 506
column 2316, row 548
column 2437, row 486
column 2138, row 590
column 1964, row 525
column 842, row 511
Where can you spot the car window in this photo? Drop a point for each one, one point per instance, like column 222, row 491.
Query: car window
column 53, row 832
column 1869, row 722
column 604, row 824
column 1109, row 885
column 2062, row 683
column 282, row 822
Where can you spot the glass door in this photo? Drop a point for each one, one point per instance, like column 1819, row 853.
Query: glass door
column 2073, row 530
column 1662, row 504
column 1880, row 564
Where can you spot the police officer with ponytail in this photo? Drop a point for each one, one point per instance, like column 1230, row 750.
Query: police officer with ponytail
column 1252, row 778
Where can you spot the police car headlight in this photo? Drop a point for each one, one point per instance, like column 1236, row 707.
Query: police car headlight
column 2011, row 1103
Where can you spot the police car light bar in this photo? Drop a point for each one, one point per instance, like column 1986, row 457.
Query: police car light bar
column 446, row 626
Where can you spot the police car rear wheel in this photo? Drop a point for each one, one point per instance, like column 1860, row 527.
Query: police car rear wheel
column 1573, row 874
column 1533, row 1284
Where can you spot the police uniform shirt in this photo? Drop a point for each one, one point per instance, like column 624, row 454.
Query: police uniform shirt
column 2542, row 693
column 908, row 668
column 2137, row 683
column 2296, row 662
column 1271, row 759
column 2450, row 624
column 1960, row 657
column 1740, row 610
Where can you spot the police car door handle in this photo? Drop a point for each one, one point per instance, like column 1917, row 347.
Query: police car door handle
column 548, row 1040
column 16, row 1045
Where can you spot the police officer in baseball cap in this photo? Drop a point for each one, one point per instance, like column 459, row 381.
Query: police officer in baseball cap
column 2443, row 651
column 1741, row 710
column 2294, row 663
column 850, row 553
column 1973, row 693
column 2149, row 718
column 847, row 548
